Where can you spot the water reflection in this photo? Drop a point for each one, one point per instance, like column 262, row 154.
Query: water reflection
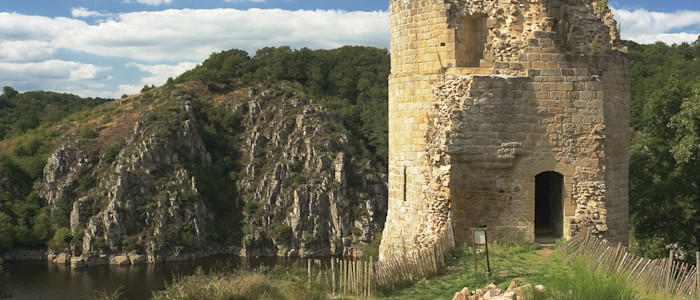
column 44, row 280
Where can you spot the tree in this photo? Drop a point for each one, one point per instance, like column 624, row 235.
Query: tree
column 665, row 168
column 9, row 92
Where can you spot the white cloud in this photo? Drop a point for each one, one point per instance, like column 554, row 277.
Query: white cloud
column 25, row 51
column 643, row 26
column 177, row 35
column 161, row 73
column 55, row 75
column 159, row 41
column 151, row 2
column 82, row 12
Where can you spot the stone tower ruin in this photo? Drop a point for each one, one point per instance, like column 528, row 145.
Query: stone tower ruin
column 509, row 114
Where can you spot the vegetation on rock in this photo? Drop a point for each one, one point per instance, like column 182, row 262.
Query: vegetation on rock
column 240, row 151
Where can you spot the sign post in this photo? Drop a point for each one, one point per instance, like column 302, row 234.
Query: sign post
column 479, row 238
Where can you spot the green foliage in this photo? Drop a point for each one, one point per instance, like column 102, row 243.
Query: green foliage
column 6, row 230
column 146, row 88
column 279, row 283
column 282, row 232
column 307, row 238
column 372, row 250
column 9, row 92
column 351, row 81
column 61, row 239
column 664, row 151
column 131, row 243
column 88, row 133
column 583, row 284
column 252, row 208
column 105, row 295
column 111, row 152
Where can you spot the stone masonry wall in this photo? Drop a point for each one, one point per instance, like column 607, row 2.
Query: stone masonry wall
column 550, row 92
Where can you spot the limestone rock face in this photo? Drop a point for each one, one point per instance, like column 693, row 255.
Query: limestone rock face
column 313, row 196
column 301, row 188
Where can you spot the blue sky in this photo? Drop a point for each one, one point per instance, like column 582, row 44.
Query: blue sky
column 105, row 48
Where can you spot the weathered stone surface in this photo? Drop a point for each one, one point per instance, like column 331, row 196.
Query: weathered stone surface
column 137, row 259
column 485, row 96
column 491, row 292
column 302, row 188
column 119, row 260
column 61, row 259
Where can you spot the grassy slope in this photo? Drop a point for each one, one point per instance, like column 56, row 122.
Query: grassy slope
column 522, row 263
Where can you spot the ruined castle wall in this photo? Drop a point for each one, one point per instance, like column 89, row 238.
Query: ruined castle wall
column 417, row 30
column 466, row 139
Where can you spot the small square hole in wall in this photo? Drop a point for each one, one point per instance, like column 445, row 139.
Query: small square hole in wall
column 442, row 44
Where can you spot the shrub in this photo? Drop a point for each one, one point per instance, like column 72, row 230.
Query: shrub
column 131, row 243
column 282, row 232
column 87, row 181
column 61, row 239
column 5, row 231
column 252, row 208
column 110, row 154
column 372, row 249
column 88, row 133
column 307, row 237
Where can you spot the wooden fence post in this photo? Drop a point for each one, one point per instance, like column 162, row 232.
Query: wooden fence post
column 670, row 267
column 697, row 274
column 333, row 275
column 371, row 276
column 308, row 266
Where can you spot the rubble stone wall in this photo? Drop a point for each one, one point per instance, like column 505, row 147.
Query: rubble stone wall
column 485, row 95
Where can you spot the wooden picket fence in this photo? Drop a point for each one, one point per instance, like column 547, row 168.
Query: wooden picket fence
column 651, row 275
column 361, row 278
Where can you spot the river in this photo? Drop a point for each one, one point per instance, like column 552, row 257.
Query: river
column 45, row 280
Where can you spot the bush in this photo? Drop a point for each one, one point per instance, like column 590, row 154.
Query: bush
column 282, row 232
column 61, row 239
column 110, row 154
column 5, row 232
column 131, row 243
column 88, row 133
column 372, row 250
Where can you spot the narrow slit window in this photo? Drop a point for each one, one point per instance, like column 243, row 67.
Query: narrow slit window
column 404, row 183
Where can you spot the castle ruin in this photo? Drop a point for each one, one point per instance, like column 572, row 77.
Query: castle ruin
column 509, row 114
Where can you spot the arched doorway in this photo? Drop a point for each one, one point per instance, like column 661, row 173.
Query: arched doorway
column 549, row 217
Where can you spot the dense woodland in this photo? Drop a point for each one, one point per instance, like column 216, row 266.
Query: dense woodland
column 352, row 81
column 665, row 147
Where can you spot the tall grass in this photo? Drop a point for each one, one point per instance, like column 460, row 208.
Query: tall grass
column 583, row 284
column 278, row 283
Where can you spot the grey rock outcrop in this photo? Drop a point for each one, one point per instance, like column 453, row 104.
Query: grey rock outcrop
column 132, row 194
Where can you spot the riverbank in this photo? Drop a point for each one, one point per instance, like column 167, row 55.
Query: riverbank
column 41, row 279
column 118, row 259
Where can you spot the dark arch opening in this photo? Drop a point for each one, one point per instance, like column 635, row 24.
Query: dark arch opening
column 549, row 213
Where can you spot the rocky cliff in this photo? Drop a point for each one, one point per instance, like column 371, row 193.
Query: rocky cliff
column 180, row 170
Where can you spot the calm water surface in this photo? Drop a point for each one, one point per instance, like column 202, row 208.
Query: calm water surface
column 44, row 280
